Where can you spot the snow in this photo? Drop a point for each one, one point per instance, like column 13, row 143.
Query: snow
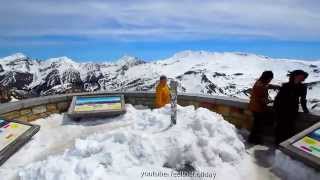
column 132, row 144
column 13, row 99
column 14, row 57
column 135, row 145
column 57, row 134
column 208, row 142
column 292, row 169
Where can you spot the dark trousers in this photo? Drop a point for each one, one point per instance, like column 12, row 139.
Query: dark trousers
column 285, row 125
column 260, row 121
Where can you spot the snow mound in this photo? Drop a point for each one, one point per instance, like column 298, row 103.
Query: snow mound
column 201, row 139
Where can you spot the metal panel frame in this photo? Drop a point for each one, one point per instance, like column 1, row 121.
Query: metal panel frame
column 298, row 154
column 14, row 146
column 99, row 113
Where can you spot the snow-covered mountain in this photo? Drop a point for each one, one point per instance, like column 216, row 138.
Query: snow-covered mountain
column 227, row 74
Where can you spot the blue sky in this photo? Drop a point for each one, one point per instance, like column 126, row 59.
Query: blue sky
column 107, row 30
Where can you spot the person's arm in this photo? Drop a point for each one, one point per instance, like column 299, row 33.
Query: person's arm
column 274, row 87
column 303, row 99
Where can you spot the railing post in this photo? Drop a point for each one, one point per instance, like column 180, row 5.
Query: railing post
column 174, row 96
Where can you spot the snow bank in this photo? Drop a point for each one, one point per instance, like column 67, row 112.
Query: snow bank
column 289, row 168
column 201, row 139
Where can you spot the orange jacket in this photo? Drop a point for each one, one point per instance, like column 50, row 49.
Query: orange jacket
column 259, row 97
column 162, row 95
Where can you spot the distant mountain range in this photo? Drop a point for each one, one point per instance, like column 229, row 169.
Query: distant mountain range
column 226, row 74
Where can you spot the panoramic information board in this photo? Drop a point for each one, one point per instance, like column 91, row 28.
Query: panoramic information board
column 13, row 134
column 97, row 103
column 305, row 146
column 310, row 143
column 92, row 106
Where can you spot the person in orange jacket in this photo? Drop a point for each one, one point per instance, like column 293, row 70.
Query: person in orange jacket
column 162, row 93
column 258, row 105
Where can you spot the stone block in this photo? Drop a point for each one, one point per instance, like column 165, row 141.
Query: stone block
column 183, row 103
column 236, row 110
column 194, row 103
column 24, row 112
column 207, row 105
column 52, row 108
column 53, row 111
column 130, row 101
column 63, row 106
column 44, row 115
column 11, row 115
column 39, row 109
column 143, row 99
column 23, row 118
column 34, row 117
column 224, row 110
column 237, row 115
column 236, row 122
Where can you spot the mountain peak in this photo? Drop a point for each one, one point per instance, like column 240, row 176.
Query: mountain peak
column 129, row 60
column 188, row 53
column 15, row 57
column 62, row 59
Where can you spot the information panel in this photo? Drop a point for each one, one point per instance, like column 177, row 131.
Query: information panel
column 97, row 103
column 9, row 131
column 13, row 135
column 96, row 106
column 310, row 143
column 305, row 146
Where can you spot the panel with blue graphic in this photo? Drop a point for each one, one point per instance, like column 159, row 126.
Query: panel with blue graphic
column 310, row 143
column 97, row 100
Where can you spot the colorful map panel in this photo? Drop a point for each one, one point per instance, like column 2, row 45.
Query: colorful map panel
column 10, row 131
column 310, row 143
column 84, row 104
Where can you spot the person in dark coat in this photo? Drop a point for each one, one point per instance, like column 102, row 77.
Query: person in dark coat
column 286, row 104
column 259, row 100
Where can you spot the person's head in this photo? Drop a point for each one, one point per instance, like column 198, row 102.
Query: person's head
column 297, row 76
column 163, row 79
column 266, row 77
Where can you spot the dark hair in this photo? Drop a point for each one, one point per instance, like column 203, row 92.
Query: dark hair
column 266, row 76
column 295, row 73
column 163, row 77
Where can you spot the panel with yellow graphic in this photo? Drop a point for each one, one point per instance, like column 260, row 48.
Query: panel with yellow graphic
column 94, row 106
column 305, row 146
column 13, row 134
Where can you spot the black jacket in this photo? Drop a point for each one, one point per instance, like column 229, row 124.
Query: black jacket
column 287, row 100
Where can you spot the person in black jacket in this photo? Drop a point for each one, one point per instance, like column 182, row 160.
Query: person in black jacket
column 286, row 104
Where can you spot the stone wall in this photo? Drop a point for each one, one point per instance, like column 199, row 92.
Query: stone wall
column 234, row 110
